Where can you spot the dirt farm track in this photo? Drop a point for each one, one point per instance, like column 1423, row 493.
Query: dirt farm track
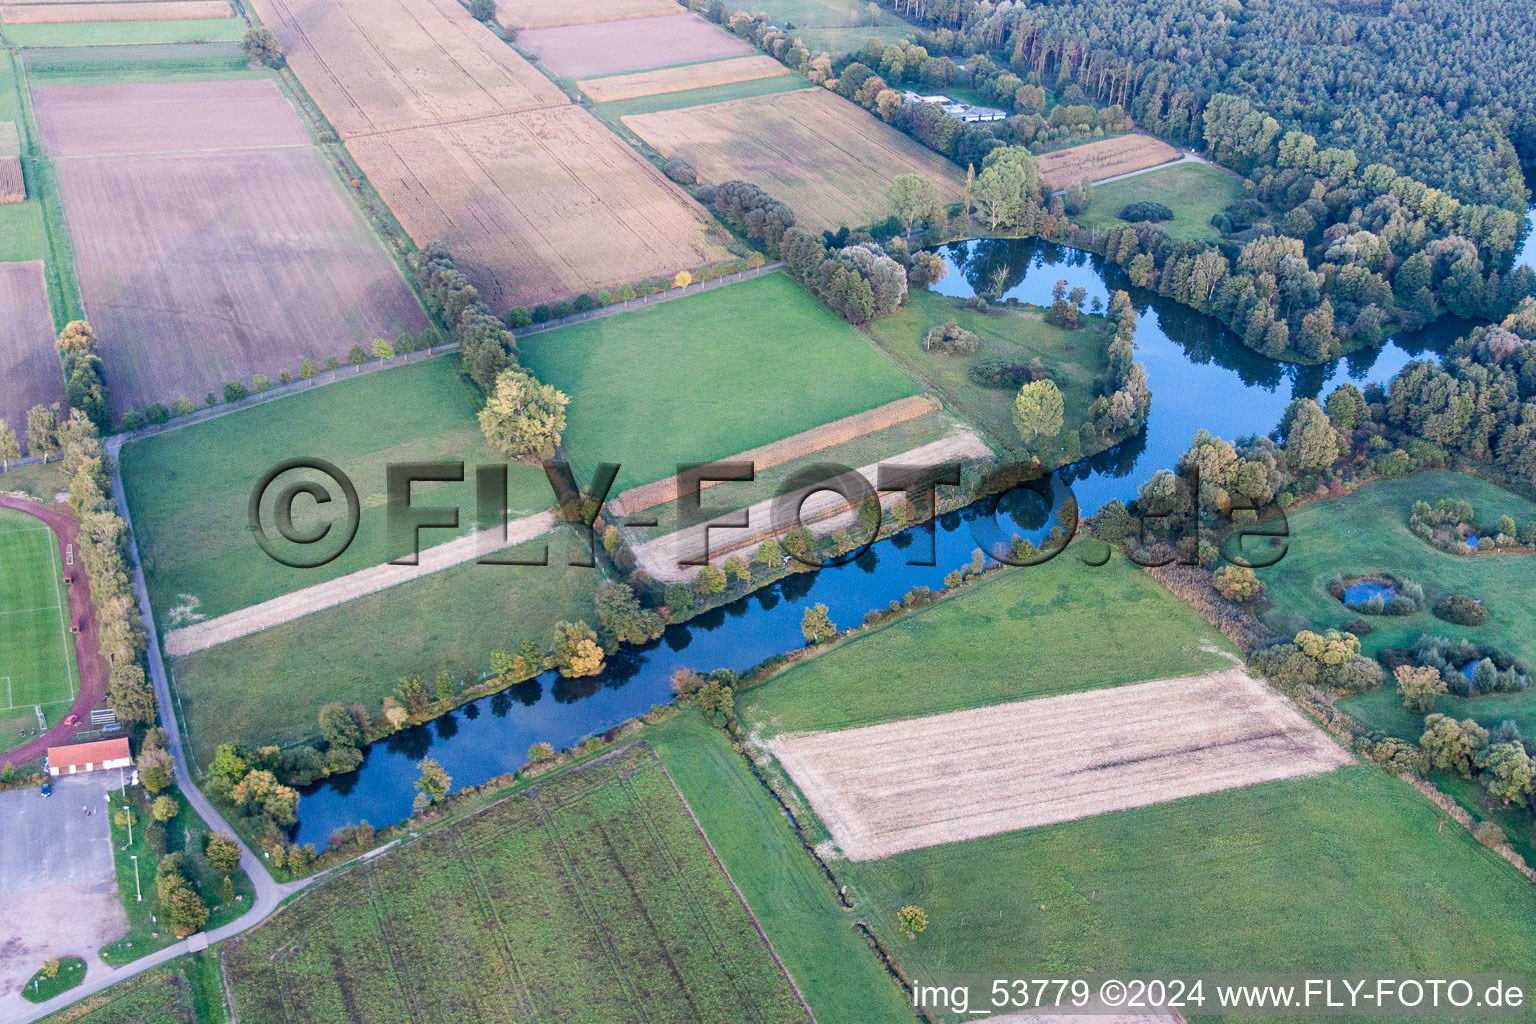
column 882, row 789
column 470, row 145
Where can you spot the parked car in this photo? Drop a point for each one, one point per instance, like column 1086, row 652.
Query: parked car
column 72, row 720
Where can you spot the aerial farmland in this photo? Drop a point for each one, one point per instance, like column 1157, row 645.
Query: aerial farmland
column 819, row 511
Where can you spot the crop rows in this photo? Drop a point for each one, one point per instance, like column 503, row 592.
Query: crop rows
column 592, row 898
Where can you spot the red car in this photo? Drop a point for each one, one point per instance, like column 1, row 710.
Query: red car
column 72, row 720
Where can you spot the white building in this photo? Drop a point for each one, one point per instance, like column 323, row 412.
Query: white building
column 89, row 757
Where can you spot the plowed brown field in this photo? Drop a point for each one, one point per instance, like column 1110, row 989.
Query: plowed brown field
column 13, row 186
column 1099, row 160
column 469, row 144
column 905, row 785
column 97, row 120
column 522, row 14
column 29, row 366
column 207, row 265
column 165, row 10
column 689, row 76
column 824, row 156
column 608, row 47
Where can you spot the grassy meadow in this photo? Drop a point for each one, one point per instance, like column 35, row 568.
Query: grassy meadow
column 792, row 900
column 1008, row 334
column 1349, row 872
column 837, row 26
column 268, row 687
column 37, row 654
column 590, row 897
column 615, row 109
column 1194, row 192
column 707, row 377
column 34, row 229
column 189, row 490
column 1033, row 631
column 188, row 990
column 1367, row 532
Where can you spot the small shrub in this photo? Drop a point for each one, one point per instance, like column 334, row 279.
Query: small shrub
column 680, row 171
column 1007, row 376
column 951, row 339
column 1144, row 211
column 1489, row 834
column 1461, row 609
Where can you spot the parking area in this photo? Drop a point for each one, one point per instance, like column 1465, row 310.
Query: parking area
column 58, row 886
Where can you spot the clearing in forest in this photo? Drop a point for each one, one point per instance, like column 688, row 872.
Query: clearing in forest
column 883, row 789
column 1103, row 159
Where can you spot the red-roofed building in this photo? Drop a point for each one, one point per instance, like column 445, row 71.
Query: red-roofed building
column 89, row 757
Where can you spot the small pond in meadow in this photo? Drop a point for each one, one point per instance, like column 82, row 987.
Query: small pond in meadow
column 1361, row 591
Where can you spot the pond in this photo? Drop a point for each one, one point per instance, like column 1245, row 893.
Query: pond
column 1361, row 591
column 1200, row 374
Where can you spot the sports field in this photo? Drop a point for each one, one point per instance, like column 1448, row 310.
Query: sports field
column 1008, row 335
column 708, row 376
column 1033, row 631
column 38, row 675
column 189, row 490
column 1194, row 192
column 592, row 897
column 1367, row 532
column 824, row 156
column 1349, row 872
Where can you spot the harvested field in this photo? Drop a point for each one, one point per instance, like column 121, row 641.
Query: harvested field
column 824, row 156
column 800, row 445
column 608, row 47
column 537, row 206
column 13, row 187
column 28, row 363
column 669, row 557
column 98, row 120
column 679, row 79
column 1099, row 160
column 169, row 10
column 384, row 65
column 204, row 267
column 469, row 144
column 521, row 14
column 884, row 789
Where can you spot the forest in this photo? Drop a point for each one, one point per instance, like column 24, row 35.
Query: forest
column 1438, row 89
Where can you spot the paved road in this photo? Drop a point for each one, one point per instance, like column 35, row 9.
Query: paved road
column 269, row 892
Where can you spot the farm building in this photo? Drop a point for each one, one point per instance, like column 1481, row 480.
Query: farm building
column 983, row 114
column 89, row 757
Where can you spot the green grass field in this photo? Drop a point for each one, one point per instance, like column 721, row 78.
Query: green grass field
column 113, row 33
column 184, row 834
column 1194, row 192
column 707, row 377
column 269, row 687
column 1033, row 631
column 188, row 990
column 1013, row 335
column 1367, row 532
column 794, row 903
column 616, row 109
column 591, row 897
column 189, row 490
column 42, row 480
column 38, row 674
column 1344, row 873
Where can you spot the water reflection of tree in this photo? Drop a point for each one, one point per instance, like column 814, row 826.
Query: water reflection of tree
column 412, row 743
column 1115, row 461
column 447, row 726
